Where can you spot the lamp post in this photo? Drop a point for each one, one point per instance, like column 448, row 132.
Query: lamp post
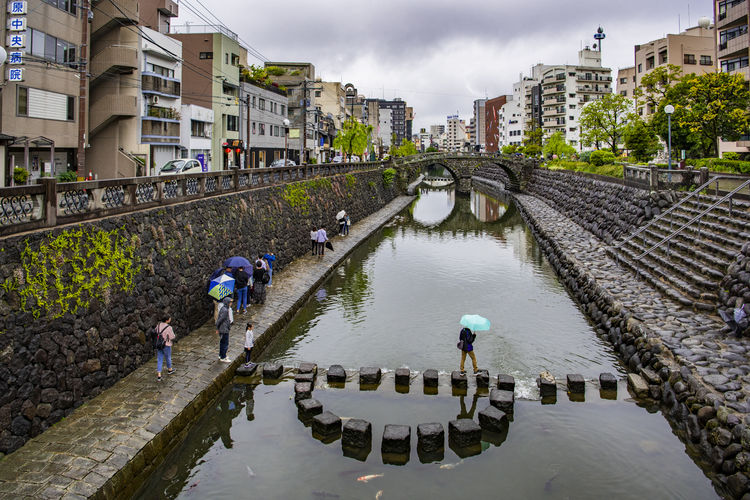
column 286, row 137
column 669, row 109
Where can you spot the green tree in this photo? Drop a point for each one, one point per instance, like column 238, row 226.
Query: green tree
column 532, row 141
column 556, row 145
column 656, row 84
column 407, row 148
column 602, row 157
column 603, row 121
column 353, row 137
column 431, row 149
column 641, row 140
column 509, row 149
column 716, row 107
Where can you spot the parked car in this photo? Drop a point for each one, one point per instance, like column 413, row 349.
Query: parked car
column 280, row 163
column 180, row 166
column 337, row 159
column 353, row 158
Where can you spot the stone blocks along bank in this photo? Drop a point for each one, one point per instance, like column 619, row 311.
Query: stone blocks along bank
column 76, row 302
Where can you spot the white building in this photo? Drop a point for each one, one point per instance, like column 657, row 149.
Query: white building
column 160, row 102
column 267, row 111
column 195, row 134
column 511, row 121
column 456, row 133
column 384, row 127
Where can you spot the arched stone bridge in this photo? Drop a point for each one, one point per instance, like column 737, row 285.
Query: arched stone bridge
column 462, row 167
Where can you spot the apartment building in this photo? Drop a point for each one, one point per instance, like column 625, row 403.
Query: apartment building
column 693, row 51
column 211, row 56
column 510, row 122
column 409, row 118
column 492, row 111
column 196, row 134
column 398, row 117
column 567, row 88
column 384, row 128
column 480, row 132
column 456, row 131
column 263, row 109
column 626, row 82
column 40, row 97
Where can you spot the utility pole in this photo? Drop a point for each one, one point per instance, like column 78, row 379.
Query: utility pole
column 247, row 144
column 303, row 137
column 83, row 88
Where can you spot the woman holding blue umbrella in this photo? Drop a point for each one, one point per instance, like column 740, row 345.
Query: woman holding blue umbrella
column 470, row 323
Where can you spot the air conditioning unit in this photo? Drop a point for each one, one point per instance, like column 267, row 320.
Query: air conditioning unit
column 153, row 99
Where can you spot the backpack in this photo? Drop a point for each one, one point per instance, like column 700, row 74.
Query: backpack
column 266, row 278
column 159, row 341
column 468, row 336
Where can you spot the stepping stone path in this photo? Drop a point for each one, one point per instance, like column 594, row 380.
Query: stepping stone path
column 272, row 370
column 309, row 407
column 396, row 439
column 430, row 437
column 493, row 419
column 608, row 382
column 458, row 381
column 326, row 424
column 502, row 400
column 336, row 373
column 369, row 375
column 483, row 379
column 506, row 383
column 357, row 433
column 403, row 376
column 430, row 378
column 464, row 432
column 576, row 384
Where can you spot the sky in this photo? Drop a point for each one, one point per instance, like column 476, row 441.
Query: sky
column 439, row 56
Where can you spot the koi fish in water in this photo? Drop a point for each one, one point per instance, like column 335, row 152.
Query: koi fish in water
column 368, row 477
column 379, row 495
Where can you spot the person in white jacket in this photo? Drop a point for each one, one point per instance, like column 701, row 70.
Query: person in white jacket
column 249, row 342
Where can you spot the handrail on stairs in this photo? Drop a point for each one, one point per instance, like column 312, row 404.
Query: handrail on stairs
column 670, row 210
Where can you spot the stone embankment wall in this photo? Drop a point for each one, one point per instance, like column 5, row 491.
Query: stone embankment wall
column 76, row 302
column 736, row 283
column 606, row 209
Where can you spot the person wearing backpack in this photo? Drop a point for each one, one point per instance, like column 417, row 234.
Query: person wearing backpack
column 163, row 343
column 223, row 323
column 466, row 344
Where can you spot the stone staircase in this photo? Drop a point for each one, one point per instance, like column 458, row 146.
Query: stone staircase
column 689, row 267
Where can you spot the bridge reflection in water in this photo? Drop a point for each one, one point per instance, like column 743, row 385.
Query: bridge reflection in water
column 396, row 302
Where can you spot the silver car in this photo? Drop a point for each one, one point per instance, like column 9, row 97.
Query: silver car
column 180, row 166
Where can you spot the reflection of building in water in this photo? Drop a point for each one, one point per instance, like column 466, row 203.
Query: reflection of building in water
column 486, row 209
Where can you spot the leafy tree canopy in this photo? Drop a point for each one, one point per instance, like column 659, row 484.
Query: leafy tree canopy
column 641, row 140
column 603, row 121
column 353, row 137
column 406, row 148
column 556, row 145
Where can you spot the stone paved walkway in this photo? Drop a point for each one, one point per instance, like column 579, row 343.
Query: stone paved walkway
column 720, row 360
column 112, row 442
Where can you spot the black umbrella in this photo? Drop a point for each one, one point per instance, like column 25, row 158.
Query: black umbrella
column 329, row 246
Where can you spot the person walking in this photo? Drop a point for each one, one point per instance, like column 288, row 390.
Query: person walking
column 249, row 342
column 314, row 241
column 321, row 238
column 164, row 330
column 346, row 226
column 218, row 272
column 223, row 323
column 342, row 224
column 259, row 283
column 466, row 344
column 270, row 258
column 241, row 279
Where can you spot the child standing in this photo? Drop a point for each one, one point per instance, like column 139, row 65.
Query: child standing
column 249, row 342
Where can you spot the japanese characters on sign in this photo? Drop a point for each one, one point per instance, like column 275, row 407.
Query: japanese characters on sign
column 16, row 40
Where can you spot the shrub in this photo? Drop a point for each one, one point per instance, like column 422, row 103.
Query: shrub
column 601, row 157
column 67, row 176
column 20, row 175
column 275, row 70
column 731, row 155
column 389, row 174
column 580, row 166
column 585, row 156
column 720, row 165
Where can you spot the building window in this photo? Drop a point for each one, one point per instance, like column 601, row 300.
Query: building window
column 50, row 48
column 623, row 80
column 235, row 60
column 663, row 57
column 198, row 129
column 262, row 104
column 706, row 61
column 262, row 129
column 624, row 93
column 23, row 101
column 226, row 58
column 68, row 6
column 254, row 128
column 283, row 109
column 160, row 70
column 649, row 63
column 689, row 59
column 734, row 64
column 731, row 34
column 640, row 68
column 37, row 103
column 253, row 102
column 232, row 123
column 206, row 55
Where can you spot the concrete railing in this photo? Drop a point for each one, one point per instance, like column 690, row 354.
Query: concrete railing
column 51, row 203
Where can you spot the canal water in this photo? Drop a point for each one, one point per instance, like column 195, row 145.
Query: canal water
column 396, row 302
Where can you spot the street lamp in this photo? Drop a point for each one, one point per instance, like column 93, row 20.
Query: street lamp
column 286, row 137
column 669, row 109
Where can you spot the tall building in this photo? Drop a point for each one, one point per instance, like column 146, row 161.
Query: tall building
column 263, row 109
column 567, row 88
column 480, row 132
column 409, row 122
column 332, row 103
column 40, row 99
column 510, row 123
column 385, row 131
column 492, row 111
column 456, row 131
column 398, row 118
column 626, row 82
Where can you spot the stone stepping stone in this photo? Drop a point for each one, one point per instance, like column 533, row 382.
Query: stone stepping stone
column 608, row 382
column 304, row 377
column 576, row 384
column 493, row 420
column 506, row 382
column 309, row 407
column 502, row 400
column 308, row 368
column 357, row 433
column 547, row 387
column 302, row 390
column 272, row 370
column 638, row 384
column 464, row 432
column 483, row 379
column 396, row 439
column 369, row 375
column 336, row 373
column 403, row 376
column 430, row 437
column 246, row 370
column 430, row 378
column 326, row 424
column 458, row 381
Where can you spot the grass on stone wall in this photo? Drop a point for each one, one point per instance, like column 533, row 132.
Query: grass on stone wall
column 298, row 193
column 580, row 166
column 69, row 270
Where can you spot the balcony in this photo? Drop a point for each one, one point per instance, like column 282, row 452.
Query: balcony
column 553, row 112
column 107, row 15
column 154, row 84
column 167, row 7
column 735, row 46
column 162, row 114
column 111, row 107
column 732, row 15
column 156, row 132
column 119, row 59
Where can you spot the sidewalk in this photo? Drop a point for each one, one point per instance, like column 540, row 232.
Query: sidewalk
column 109, row 445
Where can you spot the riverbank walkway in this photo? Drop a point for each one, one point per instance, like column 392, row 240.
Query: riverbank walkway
column 109, row 444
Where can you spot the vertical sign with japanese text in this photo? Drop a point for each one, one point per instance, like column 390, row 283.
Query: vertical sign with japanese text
column 16, row 39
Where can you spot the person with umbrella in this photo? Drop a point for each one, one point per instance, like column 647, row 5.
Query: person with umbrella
column 341, row 218
column 241, row 278
column 467, row 337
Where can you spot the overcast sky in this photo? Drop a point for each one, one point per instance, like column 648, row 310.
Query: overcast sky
column 439, row 55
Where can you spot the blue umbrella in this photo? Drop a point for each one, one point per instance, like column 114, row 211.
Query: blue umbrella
column 237, row 261
column 475, row 322
column 221, row 287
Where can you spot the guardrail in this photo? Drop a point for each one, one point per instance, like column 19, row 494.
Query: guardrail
column 50, row 203
column 656, row 179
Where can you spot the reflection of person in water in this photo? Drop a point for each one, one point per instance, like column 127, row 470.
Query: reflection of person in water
column 228, row 409
column 470, row 413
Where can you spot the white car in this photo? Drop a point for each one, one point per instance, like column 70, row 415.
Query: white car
column 353, row 158
column 280, row 163
column 337, row 159
column 180, row 166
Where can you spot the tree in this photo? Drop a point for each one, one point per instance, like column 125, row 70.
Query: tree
column 509, row 149
column 532, row 141
column 431, row 149
column 604, row 120
column 556, row 145
column 406, row 148
column 353, row 137
column 656, row 84
column 641, row 140
column 716, row 107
